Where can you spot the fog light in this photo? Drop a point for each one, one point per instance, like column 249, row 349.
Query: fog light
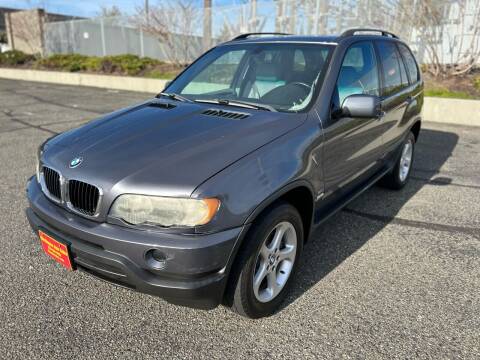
column 156, row 259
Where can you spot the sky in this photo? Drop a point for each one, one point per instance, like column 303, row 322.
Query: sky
column 88, row 8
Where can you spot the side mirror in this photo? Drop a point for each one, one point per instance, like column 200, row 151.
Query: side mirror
column 361, row 106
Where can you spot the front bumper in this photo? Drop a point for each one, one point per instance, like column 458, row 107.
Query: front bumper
column 193, row 274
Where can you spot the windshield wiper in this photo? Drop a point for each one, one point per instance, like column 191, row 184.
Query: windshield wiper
column 174, row 96
column 245, row 104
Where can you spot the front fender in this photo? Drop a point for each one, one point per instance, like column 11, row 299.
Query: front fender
column 246, row 187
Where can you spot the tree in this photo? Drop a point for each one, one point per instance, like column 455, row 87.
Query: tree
column 448, row 32
column 175, row 25
column 112, row 11
column 245, row 20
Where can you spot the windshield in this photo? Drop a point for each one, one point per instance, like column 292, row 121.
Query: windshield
column 282, row 76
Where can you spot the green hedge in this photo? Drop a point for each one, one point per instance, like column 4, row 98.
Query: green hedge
column 15, row 57
column 119, row 64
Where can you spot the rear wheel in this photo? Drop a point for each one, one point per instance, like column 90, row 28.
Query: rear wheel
column 398, row 176
column 267, row 262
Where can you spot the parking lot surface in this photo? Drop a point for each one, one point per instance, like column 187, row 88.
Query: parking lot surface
column 395, row 275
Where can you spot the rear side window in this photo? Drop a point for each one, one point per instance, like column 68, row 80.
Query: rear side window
column 409, row 62
column 392, row 72
column 358, row 74
column 403, row 72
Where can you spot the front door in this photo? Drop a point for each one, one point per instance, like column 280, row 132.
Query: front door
column 353, row 146
column 396, row 95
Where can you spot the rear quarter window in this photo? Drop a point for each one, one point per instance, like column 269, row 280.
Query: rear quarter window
column 392, row 65
column 410, row 63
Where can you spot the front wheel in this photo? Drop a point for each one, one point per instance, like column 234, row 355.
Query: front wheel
column 267, row 262
column 398, row 176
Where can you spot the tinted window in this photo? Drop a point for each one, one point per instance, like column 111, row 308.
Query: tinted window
column 358, row 74
column 403, row 72
column 390, row 59
column 409, row 62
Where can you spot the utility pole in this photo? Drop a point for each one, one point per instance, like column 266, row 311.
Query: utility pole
column 147, row 10
column 207, row 24
column 254, row 15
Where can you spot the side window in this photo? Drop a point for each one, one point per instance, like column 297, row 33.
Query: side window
column 392, row 72
column 358, row 74
column 409, row 62
column 403, row 72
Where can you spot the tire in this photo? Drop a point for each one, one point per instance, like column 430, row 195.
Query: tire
column 257, row 257
column 399, row 175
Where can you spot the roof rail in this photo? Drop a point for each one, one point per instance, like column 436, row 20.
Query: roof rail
column 351, row 32
column 258, row 34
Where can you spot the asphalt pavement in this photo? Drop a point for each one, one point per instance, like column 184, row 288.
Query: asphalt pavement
column 395, row 275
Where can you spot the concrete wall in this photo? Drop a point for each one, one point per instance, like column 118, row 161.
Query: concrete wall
column 25, row 30
column 454, row 111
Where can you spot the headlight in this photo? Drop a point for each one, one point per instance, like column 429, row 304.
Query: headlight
column 38, row 170
column 39, row 155
column 164, row 211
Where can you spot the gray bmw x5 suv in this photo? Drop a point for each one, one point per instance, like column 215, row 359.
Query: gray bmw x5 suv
column 207, row 193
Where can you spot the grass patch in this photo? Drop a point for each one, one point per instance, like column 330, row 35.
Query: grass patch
column 445, row 93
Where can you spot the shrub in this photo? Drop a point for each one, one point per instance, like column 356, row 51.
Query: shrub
column 15, row 57
column 92, row 63
column 126, row 64
column 66, row 62
column 476, row 83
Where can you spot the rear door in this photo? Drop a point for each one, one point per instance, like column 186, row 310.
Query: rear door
column 396, row 94
column 353, row 146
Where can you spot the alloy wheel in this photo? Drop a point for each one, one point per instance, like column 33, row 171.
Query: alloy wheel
column 406, row 160
column 275, row 261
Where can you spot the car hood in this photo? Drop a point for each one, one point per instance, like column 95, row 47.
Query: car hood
column 163, row 148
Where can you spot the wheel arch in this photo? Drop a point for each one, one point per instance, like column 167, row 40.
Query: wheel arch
column 415, row 129
column 300, row 195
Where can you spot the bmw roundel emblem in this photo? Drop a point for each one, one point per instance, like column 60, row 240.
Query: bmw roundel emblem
column 75, row 162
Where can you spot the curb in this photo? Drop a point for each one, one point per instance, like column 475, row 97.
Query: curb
column 452, row 111
column 128, row 83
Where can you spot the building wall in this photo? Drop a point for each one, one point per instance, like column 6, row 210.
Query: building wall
column 25, row 30
column 3, row 12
